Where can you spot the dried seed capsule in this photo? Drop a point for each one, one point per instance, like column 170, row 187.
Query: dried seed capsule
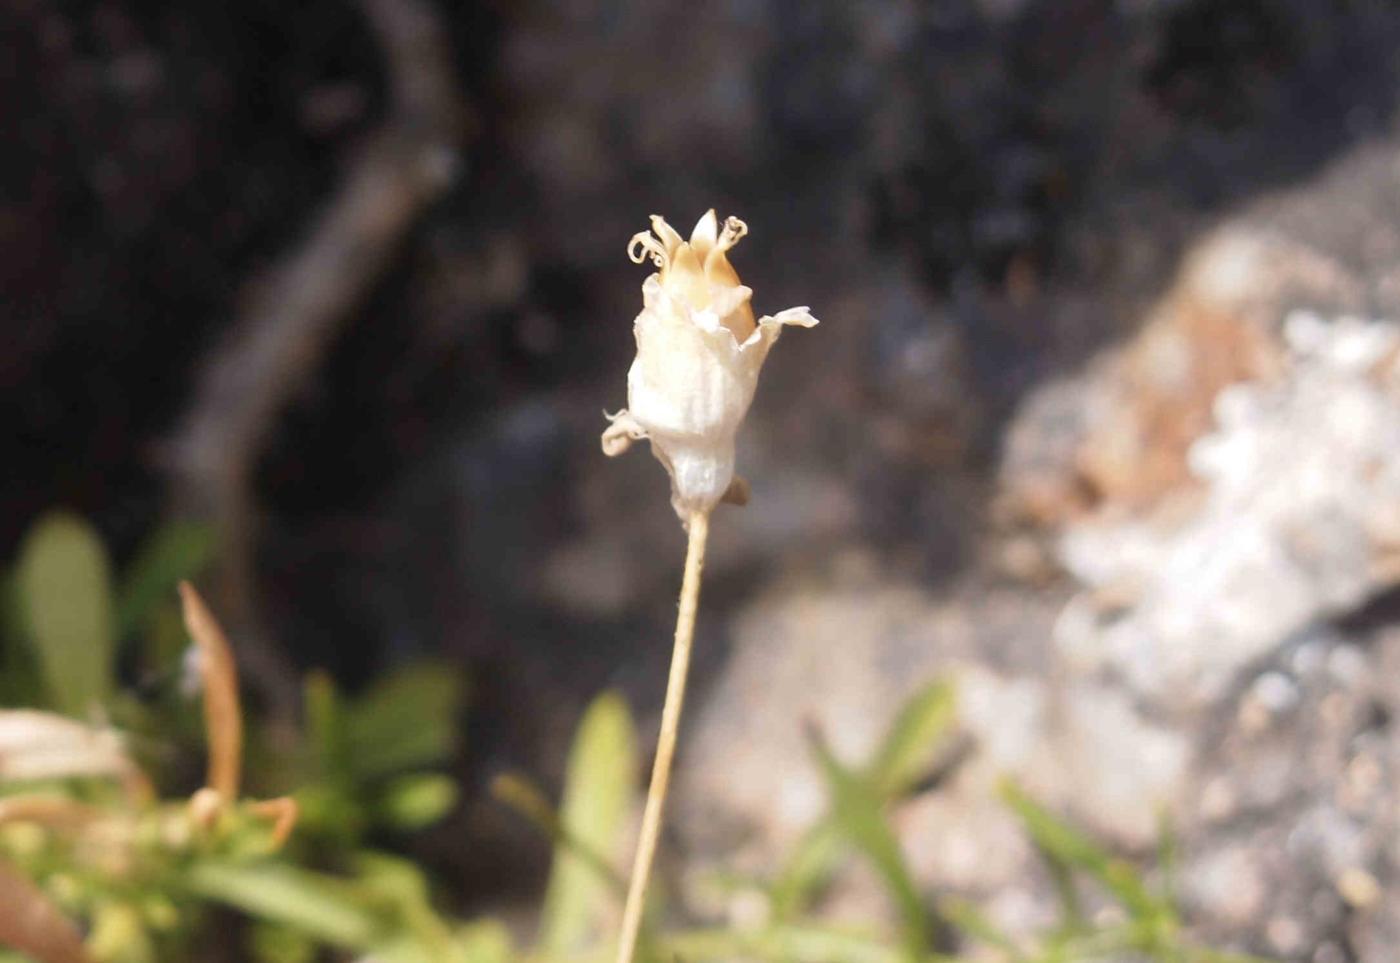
column 699, row 352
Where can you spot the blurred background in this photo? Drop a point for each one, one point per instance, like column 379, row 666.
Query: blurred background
column 1101, row 425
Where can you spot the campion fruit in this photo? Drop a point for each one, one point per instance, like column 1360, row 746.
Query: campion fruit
column 699, row 351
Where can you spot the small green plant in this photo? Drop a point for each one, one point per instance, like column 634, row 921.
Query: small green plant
column 928, row 929
column 102, row 861
column 85, row 837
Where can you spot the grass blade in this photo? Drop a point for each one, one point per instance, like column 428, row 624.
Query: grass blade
column 599, row 789
column 912, row 745
column 527, row 799
column 859, row 815
column 813, row 861
column 1064, row 844
column 908, row 752
column 404, row 722
column 319, row 906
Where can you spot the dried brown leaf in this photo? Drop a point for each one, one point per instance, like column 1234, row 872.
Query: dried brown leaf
column 223, row 717
column 33, row 925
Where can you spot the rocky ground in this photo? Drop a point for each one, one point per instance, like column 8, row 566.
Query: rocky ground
column 1101, row 418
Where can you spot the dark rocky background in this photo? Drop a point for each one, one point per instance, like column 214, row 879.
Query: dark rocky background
column 350, row 281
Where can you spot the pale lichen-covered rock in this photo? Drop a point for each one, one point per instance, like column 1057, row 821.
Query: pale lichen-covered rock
column 1298, row 517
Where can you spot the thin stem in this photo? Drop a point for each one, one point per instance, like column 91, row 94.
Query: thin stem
column 223, row 715
column 666, row 743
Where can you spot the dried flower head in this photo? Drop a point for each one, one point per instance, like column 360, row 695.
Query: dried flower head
column 699, row 351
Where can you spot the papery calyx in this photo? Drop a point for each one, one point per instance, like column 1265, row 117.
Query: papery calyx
column 699, row 352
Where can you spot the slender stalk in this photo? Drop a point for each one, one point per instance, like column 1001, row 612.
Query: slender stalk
column 223, row 715
column 666, row 744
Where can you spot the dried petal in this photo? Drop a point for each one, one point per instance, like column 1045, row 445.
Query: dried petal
column 37, row 745
column 706, row 233
column 670, row 238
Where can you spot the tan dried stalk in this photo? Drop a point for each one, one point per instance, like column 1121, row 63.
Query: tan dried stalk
column 223, row 725
column 223, row 716
column 666, row 743
column 51, row 812
column 283, row 812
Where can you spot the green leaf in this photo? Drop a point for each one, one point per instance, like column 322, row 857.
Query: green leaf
column 419, row 934
column 909, row 750
column 418, row 800
column 66, row 597
column 177, row 550
column 810, row 865
column 527, row 799
column 1166, row 857
column 860, row 816
column 394, row 878
column 973, row 922
column 320, row 906
column 404, row 722
column 325, row 724
column 599, row 787
column 1061, row 843
column 917, row 736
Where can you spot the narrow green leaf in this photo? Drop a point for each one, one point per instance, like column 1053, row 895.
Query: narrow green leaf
column 527, row 799
column 317, row 905
column 600, row 785
column 968, row 918
column 917, row 736
column 66, row 592
column 325, row 724
column 1073, row 921
column 909, row 750
column 1061, row 842
column 406, row 721
column 860, row 816
column 1166, row 858
column 177, row 550
column 809, row 866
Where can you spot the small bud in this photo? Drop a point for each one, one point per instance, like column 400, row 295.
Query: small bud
column 699, row 352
